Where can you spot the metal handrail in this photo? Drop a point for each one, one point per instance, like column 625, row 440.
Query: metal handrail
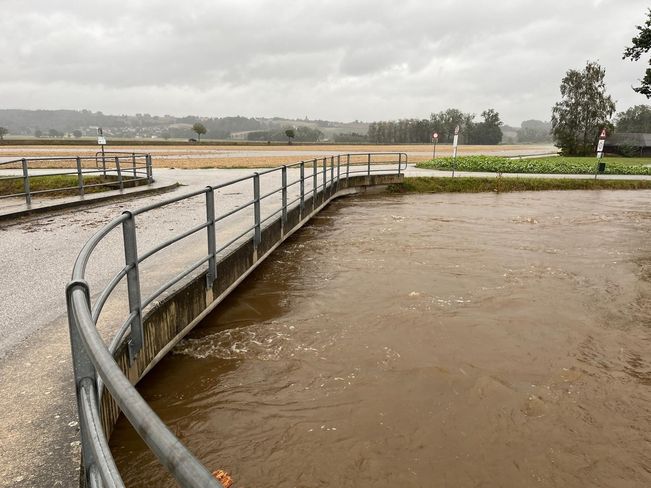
column 94, row 365
column 129, row 167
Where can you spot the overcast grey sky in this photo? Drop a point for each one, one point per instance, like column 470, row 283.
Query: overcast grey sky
column 329, row 59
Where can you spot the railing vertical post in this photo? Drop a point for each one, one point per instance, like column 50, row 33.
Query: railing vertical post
column 82, row 367
column 332, row 174
column 369, row 164
column 133, row 161
column 284, row 200
column 28, row 195
column 133, row 284
column 314, row 185
column 117, row 166
column 325, row 177
column 103, row 162
column 212, row 242
column 302, row 189
column 338, row 169
column 347, row 167
column 399, row 162
column 150, row 172
column 80, row 177
column 257, row 236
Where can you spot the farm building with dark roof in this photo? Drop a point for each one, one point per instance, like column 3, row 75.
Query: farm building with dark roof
column 629, row 144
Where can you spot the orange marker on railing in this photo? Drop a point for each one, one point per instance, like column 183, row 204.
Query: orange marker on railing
column 223, row 477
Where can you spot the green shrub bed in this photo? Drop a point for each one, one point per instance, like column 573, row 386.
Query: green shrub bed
column 548, row 165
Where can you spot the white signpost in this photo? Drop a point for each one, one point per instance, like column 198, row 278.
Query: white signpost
column 600, row 145
column 101, row 140
column 600, row 153
column 455, row 143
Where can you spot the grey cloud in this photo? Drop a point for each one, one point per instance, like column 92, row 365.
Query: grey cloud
column 336, row 59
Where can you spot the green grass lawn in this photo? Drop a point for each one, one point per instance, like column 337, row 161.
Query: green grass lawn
column 545, row 165
column 58, row 183
column 428, row 184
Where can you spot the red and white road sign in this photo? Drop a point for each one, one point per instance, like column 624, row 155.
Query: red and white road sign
column 603, row 134
column 435, row 135
column 456, row 130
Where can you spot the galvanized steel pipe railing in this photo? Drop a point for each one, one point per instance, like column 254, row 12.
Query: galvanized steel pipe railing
column 121, row 167
column 93, row 362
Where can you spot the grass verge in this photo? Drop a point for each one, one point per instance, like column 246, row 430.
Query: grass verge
column 427, row 184
column 64, row 185
column 548, row 165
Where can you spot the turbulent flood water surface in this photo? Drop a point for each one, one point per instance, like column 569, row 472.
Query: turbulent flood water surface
column 423, row 341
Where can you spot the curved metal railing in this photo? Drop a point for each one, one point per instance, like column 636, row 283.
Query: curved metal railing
column 94, row 365
column 117, row 168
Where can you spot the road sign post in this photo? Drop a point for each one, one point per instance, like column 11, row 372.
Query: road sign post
column 435, row 139
column 600, row 166
column 101, row 140
column 455, row 143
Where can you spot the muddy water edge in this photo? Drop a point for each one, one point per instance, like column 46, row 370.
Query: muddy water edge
column 426, row 340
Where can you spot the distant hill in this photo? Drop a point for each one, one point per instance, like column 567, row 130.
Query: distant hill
column 84, row 123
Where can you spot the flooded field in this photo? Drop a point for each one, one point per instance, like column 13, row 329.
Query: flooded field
column 260, row 156
column 423, row 341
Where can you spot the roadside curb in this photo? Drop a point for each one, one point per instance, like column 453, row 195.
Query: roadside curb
column 88, row 201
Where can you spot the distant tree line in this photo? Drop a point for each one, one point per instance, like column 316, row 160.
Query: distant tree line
column 534, row 131
column 66, row 122
column 352, row 137
column 300, row 134
column 486, row 131
column 28, row 122
column 635, row 119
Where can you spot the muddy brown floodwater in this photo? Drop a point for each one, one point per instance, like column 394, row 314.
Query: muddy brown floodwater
column 424, row 341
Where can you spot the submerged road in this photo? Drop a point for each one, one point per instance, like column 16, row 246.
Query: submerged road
column 39, row 444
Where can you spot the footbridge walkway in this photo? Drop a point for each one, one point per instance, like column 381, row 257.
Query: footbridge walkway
column 224, row 242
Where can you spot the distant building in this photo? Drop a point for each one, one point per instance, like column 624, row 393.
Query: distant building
column 628, row 144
